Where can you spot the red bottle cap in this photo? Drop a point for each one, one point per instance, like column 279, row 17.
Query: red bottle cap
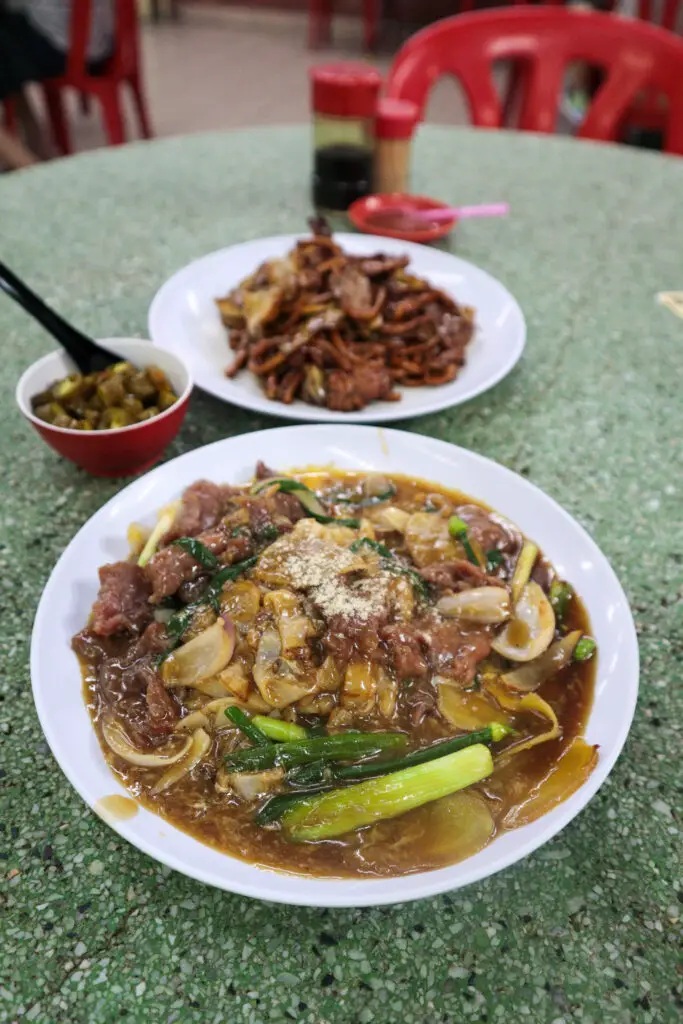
column 396, row 119
column 345, row 89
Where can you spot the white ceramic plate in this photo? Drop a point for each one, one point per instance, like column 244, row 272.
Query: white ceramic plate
column 183, row 318
column 72, row 587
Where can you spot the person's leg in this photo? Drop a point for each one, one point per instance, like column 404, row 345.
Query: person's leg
column 13, row 153
column 32, row 130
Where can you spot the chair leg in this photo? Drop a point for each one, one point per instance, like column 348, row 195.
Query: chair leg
column 54, row 102
column 319, row 23
column 112, row 116
column 371, row 18
column 140, row 103
column 10, row 115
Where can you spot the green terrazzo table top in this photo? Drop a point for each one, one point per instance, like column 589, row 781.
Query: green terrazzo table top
column 587, row 929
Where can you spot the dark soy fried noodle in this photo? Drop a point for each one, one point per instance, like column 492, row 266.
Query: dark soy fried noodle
column 335, row 629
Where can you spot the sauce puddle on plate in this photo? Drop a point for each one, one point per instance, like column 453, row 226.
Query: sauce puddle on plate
column 116, row 808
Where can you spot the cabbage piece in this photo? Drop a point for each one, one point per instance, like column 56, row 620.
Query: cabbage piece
column 564, row 778
column 428, row 539
column 274, row 676
column 359, row 692
column 445, row 832
column 466, row 709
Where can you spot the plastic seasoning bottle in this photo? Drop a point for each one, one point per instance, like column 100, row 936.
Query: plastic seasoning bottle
column 395, row 126
column 344, row 101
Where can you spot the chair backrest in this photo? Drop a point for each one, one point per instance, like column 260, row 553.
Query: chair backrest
column 664, row 14
column 124, row 60
column 634, row 56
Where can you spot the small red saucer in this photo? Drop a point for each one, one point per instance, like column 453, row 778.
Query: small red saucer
column 372, row 215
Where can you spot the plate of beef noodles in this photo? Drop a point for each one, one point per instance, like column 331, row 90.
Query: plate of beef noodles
column 344, row 328
column 334, row 666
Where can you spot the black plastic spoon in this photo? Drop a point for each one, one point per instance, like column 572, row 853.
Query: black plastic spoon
column 86, row 354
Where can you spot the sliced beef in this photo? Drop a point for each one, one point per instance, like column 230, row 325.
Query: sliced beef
column 203, row 505
column 457, row 575
column 406, row 649
column 172, row 567
column 153, row 641
column 287, row 505
column 162, row 706
column 122, row 604
column 264, row 472
column 168, row 570
column 418, row 698
column 320, row 226
column 454, row 651
column 353, row 289
column 348, row 391
column 349, row 637
column 376, row 266
column 487, row 531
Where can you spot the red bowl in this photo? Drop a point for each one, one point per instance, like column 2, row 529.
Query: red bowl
column 121, row 452
column 360, row 214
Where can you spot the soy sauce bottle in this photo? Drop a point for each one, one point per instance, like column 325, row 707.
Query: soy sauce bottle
column 344, row 101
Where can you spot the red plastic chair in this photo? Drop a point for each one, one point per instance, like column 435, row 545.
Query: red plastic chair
column 320, row 23
column 668, row 13
column 635, row 56
column 122, row 69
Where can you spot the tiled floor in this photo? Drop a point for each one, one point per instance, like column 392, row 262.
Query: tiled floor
column 219, row 68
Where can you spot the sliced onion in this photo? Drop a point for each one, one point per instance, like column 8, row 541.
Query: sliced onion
column 235, row 679
column 195, row 720
column 571, row 771
column 531, row 630
column 466, row 709
column 217, row 709
column 533, row 675
column 200, row 744
column 488, row 605
column 115, row 737
column 201, row 658
column 214, row 687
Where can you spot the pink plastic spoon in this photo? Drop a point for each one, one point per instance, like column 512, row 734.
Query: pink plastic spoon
column 440, row 214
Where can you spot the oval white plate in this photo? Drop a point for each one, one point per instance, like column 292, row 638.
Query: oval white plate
column 72, row 587
column 183, row 318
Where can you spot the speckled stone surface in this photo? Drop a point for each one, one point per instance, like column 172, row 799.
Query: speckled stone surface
column 585, row 930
